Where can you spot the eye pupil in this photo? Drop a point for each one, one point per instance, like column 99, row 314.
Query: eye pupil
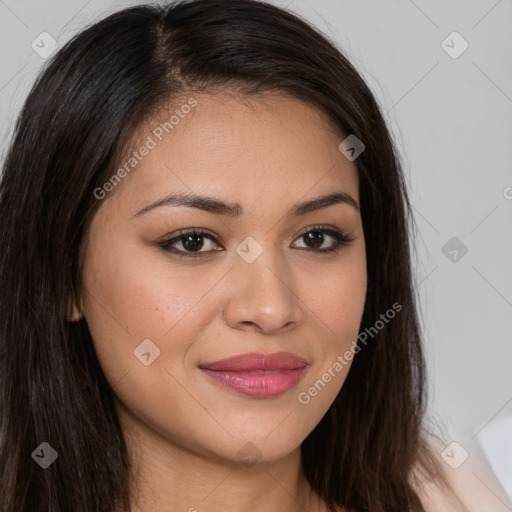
column 195, row 243
column 316, row 237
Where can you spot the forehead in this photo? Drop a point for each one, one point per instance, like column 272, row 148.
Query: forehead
column 237, row 147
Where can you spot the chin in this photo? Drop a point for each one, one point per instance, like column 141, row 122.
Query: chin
column 259, row 447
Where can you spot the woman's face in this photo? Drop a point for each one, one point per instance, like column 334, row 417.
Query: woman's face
column 256, row 282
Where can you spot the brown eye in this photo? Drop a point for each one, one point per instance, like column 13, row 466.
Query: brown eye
column 192, row 242
column 316, row 237
column 188, row 243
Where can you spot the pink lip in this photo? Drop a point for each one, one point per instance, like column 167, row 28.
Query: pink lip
column 258, row 375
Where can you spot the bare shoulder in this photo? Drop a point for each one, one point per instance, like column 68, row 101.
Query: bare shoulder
column 474, row 487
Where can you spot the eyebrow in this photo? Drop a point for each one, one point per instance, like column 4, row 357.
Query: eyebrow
column 217, row 207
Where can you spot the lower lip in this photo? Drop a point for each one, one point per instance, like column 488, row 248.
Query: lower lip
column 258, row 385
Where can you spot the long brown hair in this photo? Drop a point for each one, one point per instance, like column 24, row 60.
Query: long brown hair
column 78, row 117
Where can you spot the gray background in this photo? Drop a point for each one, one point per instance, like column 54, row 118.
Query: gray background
column 452, row 121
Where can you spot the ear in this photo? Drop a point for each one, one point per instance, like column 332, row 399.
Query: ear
column 74, row 314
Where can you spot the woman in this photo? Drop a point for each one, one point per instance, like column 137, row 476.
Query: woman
column 207, row 294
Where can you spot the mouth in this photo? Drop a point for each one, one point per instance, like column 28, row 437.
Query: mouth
column 257, row 375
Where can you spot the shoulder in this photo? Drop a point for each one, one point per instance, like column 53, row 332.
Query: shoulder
column 474, row 487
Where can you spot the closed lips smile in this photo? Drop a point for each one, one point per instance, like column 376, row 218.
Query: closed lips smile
column 256, row 374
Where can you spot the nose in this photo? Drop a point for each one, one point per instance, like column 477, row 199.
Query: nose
column 261, row 296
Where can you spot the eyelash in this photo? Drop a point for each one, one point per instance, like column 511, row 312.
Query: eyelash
column 340, row 238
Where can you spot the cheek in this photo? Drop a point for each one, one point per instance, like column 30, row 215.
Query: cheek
column 129, row 299
column 339, row 300
column 131, row 285
column 339, row 309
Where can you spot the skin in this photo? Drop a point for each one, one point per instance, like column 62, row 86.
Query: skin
column 183, row 430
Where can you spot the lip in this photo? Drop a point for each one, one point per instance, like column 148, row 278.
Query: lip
column 256, row 374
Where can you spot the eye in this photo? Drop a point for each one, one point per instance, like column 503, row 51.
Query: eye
column 315, row 237
column 192, row 241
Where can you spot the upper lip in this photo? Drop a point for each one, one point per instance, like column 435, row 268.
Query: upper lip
column 255, row 361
